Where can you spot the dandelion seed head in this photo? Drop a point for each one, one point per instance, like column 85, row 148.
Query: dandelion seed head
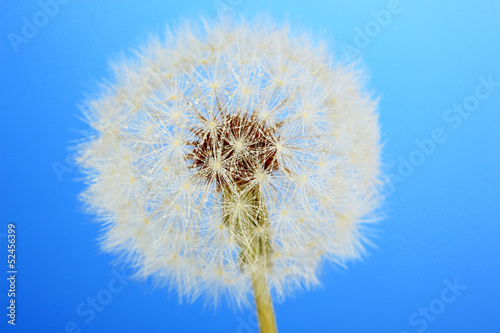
column 229, row 147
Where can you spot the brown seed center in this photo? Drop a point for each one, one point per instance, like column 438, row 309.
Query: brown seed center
column 234, row 150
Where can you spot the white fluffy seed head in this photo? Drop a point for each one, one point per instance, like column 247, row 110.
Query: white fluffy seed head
column 225, row 123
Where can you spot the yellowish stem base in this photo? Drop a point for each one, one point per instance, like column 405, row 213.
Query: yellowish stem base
column 263, row 304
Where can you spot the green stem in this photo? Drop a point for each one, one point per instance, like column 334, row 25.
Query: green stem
column 263, row 304
column 252, row 234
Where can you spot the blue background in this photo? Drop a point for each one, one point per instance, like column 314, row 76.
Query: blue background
column 442, row 219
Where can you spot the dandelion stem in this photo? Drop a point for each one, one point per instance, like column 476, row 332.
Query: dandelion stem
column 252, row 230
column 263, row 304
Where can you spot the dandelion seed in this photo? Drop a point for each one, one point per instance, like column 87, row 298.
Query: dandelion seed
column 233, row 157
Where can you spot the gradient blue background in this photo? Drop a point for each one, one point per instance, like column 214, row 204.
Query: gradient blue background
column 442, row 220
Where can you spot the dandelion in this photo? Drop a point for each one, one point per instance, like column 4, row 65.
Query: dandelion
column 233, row 157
